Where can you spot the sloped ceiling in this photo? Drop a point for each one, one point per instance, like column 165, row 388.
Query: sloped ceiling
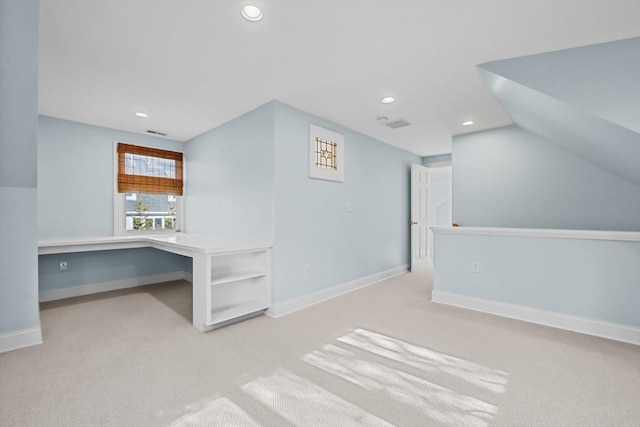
column 587, row 100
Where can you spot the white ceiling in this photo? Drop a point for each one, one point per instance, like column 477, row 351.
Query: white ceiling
column 195, row 64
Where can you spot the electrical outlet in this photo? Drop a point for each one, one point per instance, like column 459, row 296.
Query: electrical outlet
column 306, row 269
column 63, row 265
column 475, row 267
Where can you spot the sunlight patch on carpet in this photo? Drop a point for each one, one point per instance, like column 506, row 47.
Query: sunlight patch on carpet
column 219, row 412
column 426, row 359
column 441, row 404
column 304, row 403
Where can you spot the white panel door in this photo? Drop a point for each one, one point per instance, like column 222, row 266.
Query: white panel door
column 419, row 219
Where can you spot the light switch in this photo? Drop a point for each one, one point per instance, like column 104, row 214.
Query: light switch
column 348, row 207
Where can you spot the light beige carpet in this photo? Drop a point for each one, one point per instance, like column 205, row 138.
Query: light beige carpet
column 380, row 356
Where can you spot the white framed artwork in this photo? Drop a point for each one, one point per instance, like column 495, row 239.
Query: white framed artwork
column 326, row 154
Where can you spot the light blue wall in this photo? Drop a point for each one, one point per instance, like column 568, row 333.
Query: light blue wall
column 508, row 177
column 230, row 178
column 18, row 260
column 312, row 225
column 76, row 176
column 571, row 162
column 249, row 179
column 106, row 266
column 19, row 93
column 594, row 279
column 75, row 198
column 18, row 160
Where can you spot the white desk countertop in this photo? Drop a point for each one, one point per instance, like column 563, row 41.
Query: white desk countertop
column 181, row 243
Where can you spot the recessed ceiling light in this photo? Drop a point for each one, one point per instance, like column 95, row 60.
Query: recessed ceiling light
column 251, row 13
column 387, row 100
column 141, row 114
column 467, row 123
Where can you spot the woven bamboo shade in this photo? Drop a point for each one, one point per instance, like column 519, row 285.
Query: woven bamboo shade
column 149, row 170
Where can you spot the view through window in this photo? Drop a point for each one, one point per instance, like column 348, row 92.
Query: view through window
column 150, row 212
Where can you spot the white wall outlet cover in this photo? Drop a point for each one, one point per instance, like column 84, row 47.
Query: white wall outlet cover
column 475, row 267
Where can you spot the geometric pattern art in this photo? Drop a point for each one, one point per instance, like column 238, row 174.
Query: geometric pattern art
column 326, row 154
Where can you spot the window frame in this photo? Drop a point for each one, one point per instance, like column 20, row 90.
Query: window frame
column 120, row 203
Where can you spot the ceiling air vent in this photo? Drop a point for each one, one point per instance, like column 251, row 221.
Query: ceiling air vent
column 155, row 132
column 398, row 124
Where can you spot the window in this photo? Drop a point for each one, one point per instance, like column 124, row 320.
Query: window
column 148, row 189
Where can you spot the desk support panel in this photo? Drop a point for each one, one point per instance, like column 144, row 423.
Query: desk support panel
column 201, row 281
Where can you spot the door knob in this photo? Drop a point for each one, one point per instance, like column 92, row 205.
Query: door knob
column 413, row 223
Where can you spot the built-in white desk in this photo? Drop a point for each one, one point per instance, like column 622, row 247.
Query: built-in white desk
column 231, row 277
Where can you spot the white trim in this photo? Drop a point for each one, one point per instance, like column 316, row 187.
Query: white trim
column 56, row 294
column 442, row 164
column 20, row 339
column 119, row 201
column 631, row 236
column 295, row 304
column 583, row 325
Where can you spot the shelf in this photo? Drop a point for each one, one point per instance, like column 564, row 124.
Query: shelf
column 234, row 277
column 228, row 313
column 239, row 286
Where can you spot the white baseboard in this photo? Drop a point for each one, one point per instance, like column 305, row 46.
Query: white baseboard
column 188, row 277
column 94, row 288
column 583, row 325
column 19, row 339
column 295, row 304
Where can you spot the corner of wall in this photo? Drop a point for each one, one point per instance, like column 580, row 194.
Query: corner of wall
column 230, row 174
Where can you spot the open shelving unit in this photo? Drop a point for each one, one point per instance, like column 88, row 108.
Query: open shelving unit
column 240, row 284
